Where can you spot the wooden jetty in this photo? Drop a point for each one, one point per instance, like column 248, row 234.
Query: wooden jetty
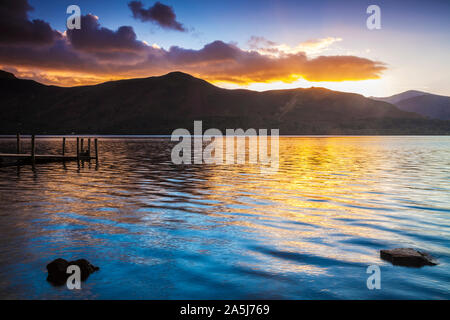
column 19, row 158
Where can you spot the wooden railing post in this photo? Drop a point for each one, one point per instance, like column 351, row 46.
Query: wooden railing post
column 32, row 157
column 78, row 148
column 18, row 144
column 96, row 149
column 33, row 149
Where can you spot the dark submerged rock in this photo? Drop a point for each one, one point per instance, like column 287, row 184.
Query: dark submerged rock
column 85, row 266
column 57, row 270
column 408, row 257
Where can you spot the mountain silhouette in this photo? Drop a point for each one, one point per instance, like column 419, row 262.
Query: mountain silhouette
column 429, row 105
column 158, row 105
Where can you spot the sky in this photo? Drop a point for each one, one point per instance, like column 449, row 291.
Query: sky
column 258, row 45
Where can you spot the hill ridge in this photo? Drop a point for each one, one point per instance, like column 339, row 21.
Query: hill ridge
column 158, row 105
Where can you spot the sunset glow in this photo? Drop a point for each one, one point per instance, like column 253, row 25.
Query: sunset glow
column 275, row 52
column 224, row 159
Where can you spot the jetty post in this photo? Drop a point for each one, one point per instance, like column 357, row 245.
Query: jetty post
column 32, row 157
column 33, row 149
column 78, row 148
column 96, row 149
column 18, row 144
column 64, row 146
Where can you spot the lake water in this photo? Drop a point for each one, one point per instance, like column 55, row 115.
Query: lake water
column 162, row 231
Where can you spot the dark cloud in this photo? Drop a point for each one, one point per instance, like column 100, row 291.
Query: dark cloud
column 59, row 56
column 160, row 14
column 93, row 38
column 96, row 54
column 216, row 51
column 16, row 28
column 217, row 61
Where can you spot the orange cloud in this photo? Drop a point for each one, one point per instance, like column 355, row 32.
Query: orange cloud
column 96, row 54
column 216, row 62
column 221, row 62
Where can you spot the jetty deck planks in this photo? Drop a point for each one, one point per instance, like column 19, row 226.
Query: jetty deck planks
column 12, row 159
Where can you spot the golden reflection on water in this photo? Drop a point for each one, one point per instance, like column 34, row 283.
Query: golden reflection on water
column 333, row 200
column 315, row 185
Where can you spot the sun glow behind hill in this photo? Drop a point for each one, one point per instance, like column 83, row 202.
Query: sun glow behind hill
column 365, row 87
column 373, row 87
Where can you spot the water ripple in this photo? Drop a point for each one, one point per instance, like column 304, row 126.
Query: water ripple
column 162, row 231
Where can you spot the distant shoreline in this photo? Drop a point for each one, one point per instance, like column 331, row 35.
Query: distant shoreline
column 145, row 136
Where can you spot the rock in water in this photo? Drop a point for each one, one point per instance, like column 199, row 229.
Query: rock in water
column 57, row 270
column 85, row 266
column 407, row 257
